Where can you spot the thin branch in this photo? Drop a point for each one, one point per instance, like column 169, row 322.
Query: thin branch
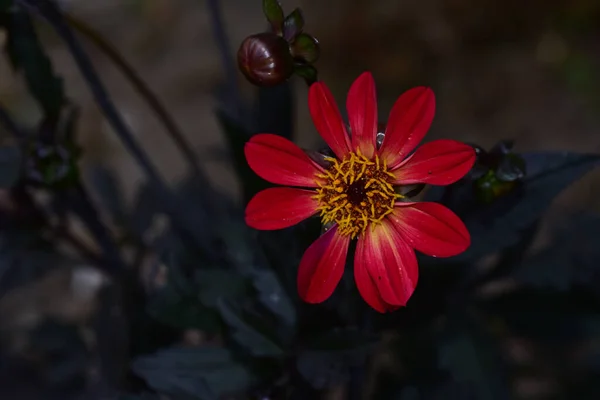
column 77, row 244
column 112, row 53
column 82, row 206
column 36, row 217
column 227, row 60
column 78, row 201
column 186, row 221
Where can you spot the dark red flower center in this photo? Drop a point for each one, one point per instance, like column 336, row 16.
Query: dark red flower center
column 355, row 192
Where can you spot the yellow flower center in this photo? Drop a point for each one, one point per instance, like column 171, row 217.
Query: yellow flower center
column 355, row 192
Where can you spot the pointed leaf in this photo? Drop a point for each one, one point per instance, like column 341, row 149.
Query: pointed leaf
column 293, row 24
column 168, row 306
column 571, row 258
column 204, row 373
column 274, row 13
column 496, row 226
column 272, row 296
column 215, row 284
column 306, row 48
column 244, row 331
column 28, row 56
column 511, row 168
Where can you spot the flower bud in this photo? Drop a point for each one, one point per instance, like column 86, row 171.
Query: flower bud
column 52, row 165
column 265, row 59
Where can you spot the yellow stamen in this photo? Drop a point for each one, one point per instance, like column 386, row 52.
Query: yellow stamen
column 355, row 193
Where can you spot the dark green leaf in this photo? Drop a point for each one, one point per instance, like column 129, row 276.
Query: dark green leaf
column 307, row 72
column 293, row 24
column 473, row 358
column 214, row 284
column 570, row 258
column 511, row 168
column 274, row 13
column 273, row 296
column 327, row 361
column 509, row 259
column 251, row 262
column 499, row 225
column 306, row 48
column 245, row 330
column 170, row 307
column 27, row 55
column 203, row 373
column 10, row 166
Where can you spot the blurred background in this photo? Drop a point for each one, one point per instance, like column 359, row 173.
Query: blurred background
column 529, row 71
column 512, row 69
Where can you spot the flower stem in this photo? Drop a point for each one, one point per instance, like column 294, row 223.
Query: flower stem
column 229, row 64
column 112, row 53
column 186, row 221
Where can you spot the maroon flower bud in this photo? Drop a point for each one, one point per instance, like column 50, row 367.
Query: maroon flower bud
column 265, row 59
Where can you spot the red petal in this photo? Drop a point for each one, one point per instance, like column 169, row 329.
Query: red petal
column 431, row 228
column 362, row 114
column 441, row 162
column 280, row 207
column 365, row 284
column 327, row 119
column 407, row 125
column 322, row 266
column 390, row 262
column 277, row 160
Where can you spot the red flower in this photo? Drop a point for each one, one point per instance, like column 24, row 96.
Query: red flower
column 356, row 193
